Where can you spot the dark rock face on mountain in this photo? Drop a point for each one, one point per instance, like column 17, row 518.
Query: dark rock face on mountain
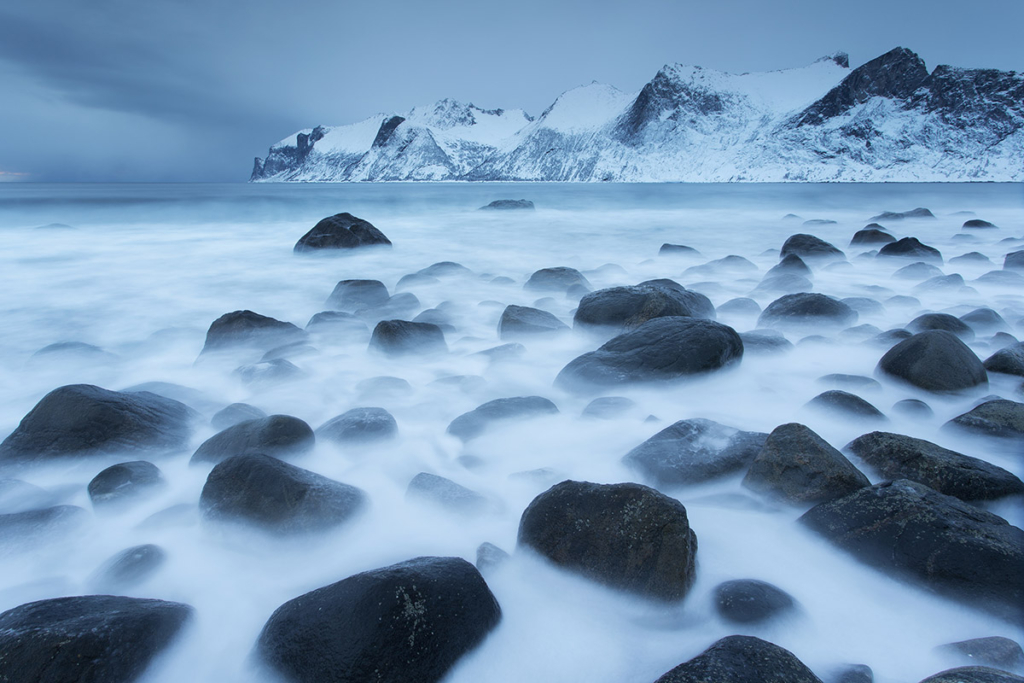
column 626, row 536
column 341, row 231
column 884, row 121
column 408, row 622
column 81, row 419
column 87, row 638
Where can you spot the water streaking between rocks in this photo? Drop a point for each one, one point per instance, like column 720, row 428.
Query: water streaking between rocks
column 790, row 417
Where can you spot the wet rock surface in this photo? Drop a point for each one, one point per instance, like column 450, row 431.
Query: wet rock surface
column 935, row 360
column 742, row 659
column 276, row 435
column 341, row 231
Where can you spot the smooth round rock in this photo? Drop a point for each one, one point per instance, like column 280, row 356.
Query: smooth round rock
column 935, row 361
column 742, row 659
column 474, row 423
column 749, row 601
column 276, row 435
column 807, row 309
column 246, row 329
column 123, row 483
column 403, row 338
column 519, row 322
column 359, row 426
column 341, row 231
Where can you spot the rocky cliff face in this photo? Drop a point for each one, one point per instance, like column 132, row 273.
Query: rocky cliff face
column 887, row 120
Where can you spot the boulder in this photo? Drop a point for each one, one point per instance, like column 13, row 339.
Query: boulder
column 910, row 247
column 840, row 402
column 87, row 638
column 974, row 674
column 740, row 306
column 608, row 407
column 519, row 322
column 791, row 265
column 277, row 497
column 355, row 295
column 936, row 361
column 941, row 321
column 81, row 419
column 558, row 279
column 694, row 451
column 799, row 467
column 124, row 483
column 338, row 324
column 749, row 601
column 900, row 215
column 1008, row 360
column 989, row 651
column 658, row 350
column 408, row 622
column 999, row 418
column 490, row 557
column 341, row 231
column 445, row 493
column 269, row 372
column 277, row 435
column 359, row 426
column 976, row 223
column 128, row 568
column 245, row 329
column 1014, row 260
column 509, row 204
column 807, row 309
column 985, row 321
column 871, row 235
column 765, row 342
column 626, row 308
column 941, row 283
column 474, row 423
column 917, row 271
column 810, row 247
column 912, row 407
column 914, row 532
column 895, row 456
column 235, row 413
column 742, row 659
column 728, row 265
column 677, row 250
column 402, row 338
column 626, row 536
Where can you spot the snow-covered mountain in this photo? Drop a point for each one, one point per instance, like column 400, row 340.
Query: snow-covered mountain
column 888, row 120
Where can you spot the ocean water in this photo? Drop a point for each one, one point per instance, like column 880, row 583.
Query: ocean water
column 144, row 269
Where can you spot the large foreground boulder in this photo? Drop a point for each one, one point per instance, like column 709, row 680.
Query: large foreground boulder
column 474, row 423
column 94, row 638
column 625, row 308
column 341, row 231
column 742, row 659
column 661, row 349
column 276, row 435
column 245, row 329
column 1000, row 418
column 895, row 456
column 403, row 338
column 935, row 361
column 82, row 419
column 914, row 532
column 275, row 496
column 798, row 466
column 626, row 536
column 408, row 622
column 693, row 451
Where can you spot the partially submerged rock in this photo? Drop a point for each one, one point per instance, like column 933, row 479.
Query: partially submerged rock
column 935, row 360
column 276, row 435
column 474, row 423
column 742, row 659
column 341, row 231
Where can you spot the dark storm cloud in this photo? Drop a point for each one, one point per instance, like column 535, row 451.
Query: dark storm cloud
column 183, row 89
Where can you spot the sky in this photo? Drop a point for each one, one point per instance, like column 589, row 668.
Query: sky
column 192, row 90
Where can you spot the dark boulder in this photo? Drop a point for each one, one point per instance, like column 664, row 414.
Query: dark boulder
column 519, row 322
column 1014, row 260
column 124, row 483
column 799, row 467
column 89, row 638
column 446, row 494
column 509, row 204
column 341, row 231
column 852, row 673
column 235, row 413
column 810, row 247
column 677, row 250
column 912, row 407
column 935, row 361
column 990, row 651
column 742, row 659
column 806, row 309
column 693, row 451
column 354, row 295
column 626, row 536
column 359, row 426
column 970, row 257
column 840, row 402
column 910, row 247
column 81, row 419
column 490, row 557
column 974, row 674
column 999, row 418
column 976, row 223
column 895, row 456
column 914, row 532
column 660, row 349
column 941, row 283
column 749, row 601
column 871, row 235
column 900, row 215
column 1008, row 360
column 245, row 329
column 790, row 264
column 625, row 308
column 128, row 568
column 401, row 338
column 558, row 279
column 474, row 423
column 765, row 342
column 277, row 435
column 941, row 321
column 277, row 497
column 985, row 321
column 408, row 622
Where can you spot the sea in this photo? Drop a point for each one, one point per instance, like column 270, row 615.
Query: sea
column 142, row 270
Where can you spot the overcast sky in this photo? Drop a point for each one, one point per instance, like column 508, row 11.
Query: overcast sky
column 192, row 90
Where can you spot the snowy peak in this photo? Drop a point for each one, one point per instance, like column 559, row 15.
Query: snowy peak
column 887, row 120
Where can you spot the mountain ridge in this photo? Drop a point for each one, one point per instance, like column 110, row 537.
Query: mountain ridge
column 887, row 120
